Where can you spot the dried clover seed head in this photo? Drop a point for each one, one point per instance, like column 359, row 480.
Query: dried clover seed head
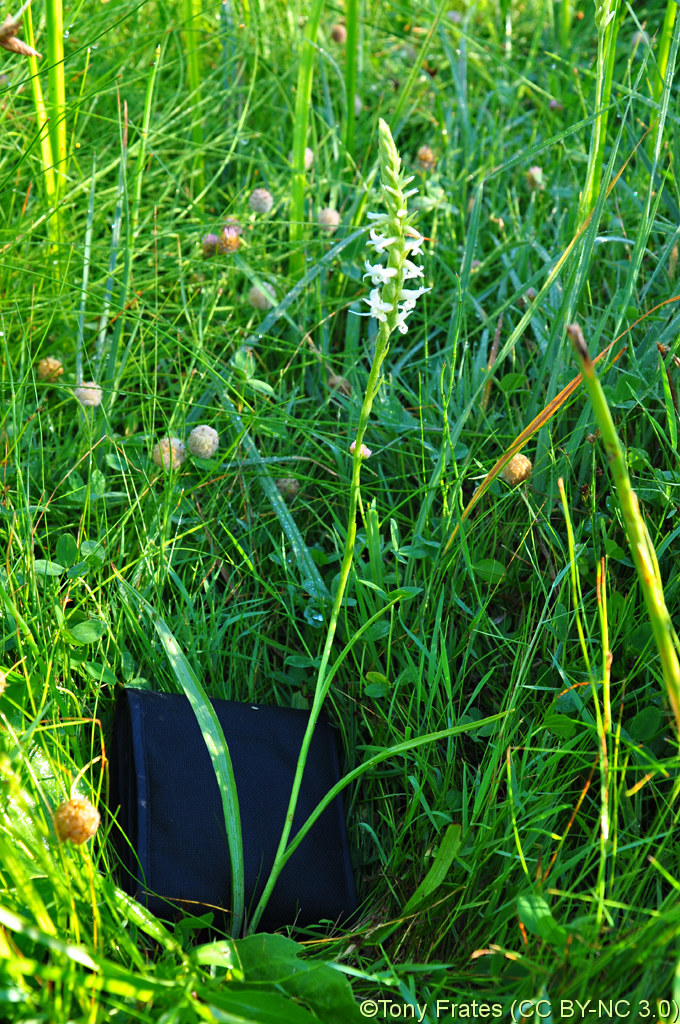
column 339, row 33
column 517, row 470
column 288, row 487
column 425, row 159
column 309, row 158
column 89, row 394
column 50, row 368
column 261, row 200
column 203, row 441
column 76, row 820
column 258, row 299
column 328, row 220
column 341, row 384
column 169, row 453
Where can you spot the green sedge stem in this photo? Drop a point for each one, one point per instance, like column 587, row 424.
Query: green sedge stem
column 607, row 21
column 351, row 58
column 640, row 542
column 303, row 103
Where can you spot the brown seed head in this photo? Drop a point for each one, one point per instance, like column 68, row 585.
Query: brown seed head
column 341, row 384
column 579, row 342
column 425, row 159
column 517, row 470
column 76, row 820
column 50, row 368
column 288, row 487
column 339, row 33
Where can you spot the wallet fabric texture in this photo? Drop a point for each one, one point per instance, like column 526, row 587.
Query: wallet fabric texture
column 164, row 792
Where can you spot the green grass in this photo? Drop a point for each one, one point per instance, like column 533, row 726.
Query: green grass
column 513, row 795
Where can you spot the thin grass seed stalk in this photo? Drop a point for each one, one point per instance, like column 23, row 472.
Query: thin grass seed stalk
column 391, row 304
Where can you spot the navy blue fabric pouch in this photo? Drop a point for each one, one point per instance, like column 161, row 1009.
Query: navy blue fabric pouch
column 165, row 796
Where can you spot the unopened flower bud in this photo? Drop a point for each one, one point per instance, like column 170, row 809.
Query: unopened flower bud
column 534, row 179
column 76, row 820
column 169, row 453
column 517, row 470
column 364, row 451
column 203, row 441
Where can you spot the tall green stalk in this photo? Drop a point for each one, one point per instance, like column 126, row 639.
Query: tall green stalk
column 42, row 118
column 303, row 102
column 352, row 9
column 56, row 95
column 640, row 542
column 565, row 23
column 665, row 41
column 607, row 22
column 192, row 36
column 390, row 303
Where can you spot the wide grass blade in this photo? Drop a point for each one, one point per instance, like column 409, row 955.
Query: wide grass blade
column 217, row 748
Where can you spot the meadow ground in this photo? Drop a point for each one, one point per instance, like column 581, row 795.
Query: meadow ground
column 524, row 857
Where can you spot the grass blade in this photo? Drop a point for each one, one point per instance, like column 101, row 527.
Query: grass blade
column 217, row 748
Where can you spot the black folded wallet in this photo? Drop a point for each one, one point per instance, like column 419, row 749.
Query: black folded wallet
column 165, row 796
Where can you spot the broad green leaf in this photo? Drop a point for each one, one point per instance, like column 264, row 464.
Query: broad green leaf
column 87, row 632
column 44, row 568
column 322, row 987
column 645, row 724
column 94, row 551
column 67, row 549
column 560, row 725
column 489, row 570
column 101, row 673
column 535, row 915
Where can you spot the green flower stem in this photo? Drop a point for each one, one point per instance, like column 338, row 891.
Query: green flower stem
column 398, row 253
column 640, row 542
